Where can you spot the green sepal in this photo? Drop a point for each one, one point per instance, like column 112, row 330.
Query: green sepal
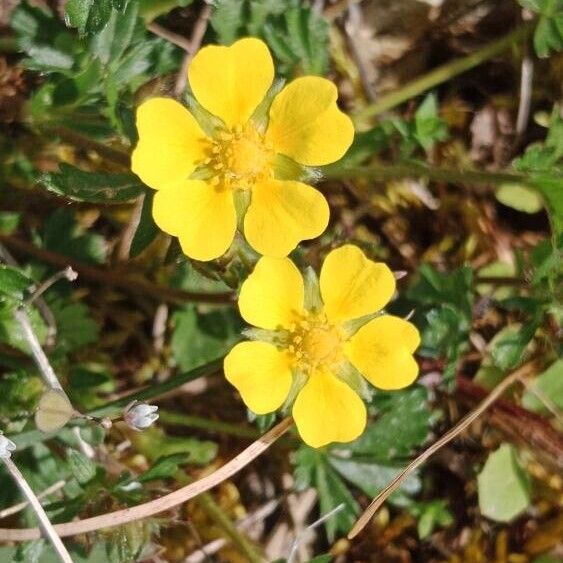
column 298, row 382
column 313, row 302
column 347, row 373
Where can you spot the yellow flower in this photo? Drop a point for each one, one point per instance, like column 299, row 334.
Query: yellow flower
column 309, row 343
column 241, row 154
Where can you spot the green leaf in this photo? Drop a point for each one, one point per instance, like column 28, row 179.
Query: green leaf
column 199, row 338
column 431, row 515
column 9, row 221
column 92, row 187
column 75, row 326
column 548, row 384
column 164, row 468
column 147, row 230
column 90, row 16
column 504, row 489
column 11, row 331
column 299, row 40
column 82, row 468
column 519, row 197
column 372, row 478
column 13, row 283
column 312, row 469
column 548, row 36
column 403, row 426
column 20, row 392
column 551, row 189
column 155, row 444
column 61, row 234
column 508, row 347
column 429, row 127
column 151, row 9
column 296, row 34
column 227, row 20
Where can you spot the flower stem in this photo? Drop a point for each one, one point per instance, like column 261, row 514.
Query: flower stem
column 441, row 74
column 410, row 170
column 201, row 423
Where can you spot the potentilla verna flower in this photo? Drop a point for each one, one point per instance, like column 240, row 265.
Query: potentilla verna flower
column 316, row 339
column 237, row 156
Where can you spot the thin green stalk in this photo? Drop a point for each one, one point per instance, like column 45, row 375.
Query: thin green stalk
column 214, row 511
column 26, row 439
column 441, row 74
column 201, row 423
column 410, row 170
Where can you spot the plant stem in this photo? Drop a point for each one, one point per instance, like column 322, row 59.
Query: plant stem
column 39, row 356
column 244, row 546
column 44, row 521
column 412, row 170
column 161, row 504
column 201, row 423
column 26, row 439
column 441, row 74
column 115, row 277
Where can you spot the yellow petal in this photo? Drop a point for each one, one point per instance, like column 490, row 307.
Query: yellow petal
column 327, row 410
column 282, row 214
column 261, row 374
column 170, row 145
column 202, row 217
column 230, row 82
column 382, row 351
column 352, row 285
column 273, row 294
column 306, row 124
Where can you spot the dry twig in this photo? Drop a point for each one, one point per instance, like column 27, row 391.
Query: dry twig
column 376, row 503
column 163, row 503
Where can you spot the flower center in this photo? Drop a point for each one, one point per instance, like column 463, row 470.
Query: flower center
column 239, row 157
column 314, row 343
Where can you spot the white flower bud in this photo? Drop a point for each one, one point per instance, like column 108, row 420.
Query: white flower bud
column 6, row 447
column 140, row 416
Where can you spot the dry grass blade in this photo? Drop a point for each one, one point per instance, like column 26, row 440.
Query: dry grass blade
column 378, row 501
column 161, row 504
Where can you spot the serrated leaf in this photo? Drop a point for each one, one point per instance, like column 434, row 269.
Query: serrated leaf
column 75, row 326
column 403, row 426
column 504, row 490
column 13, row 283
column 201, row 337
column 508, row 347
column 92, row 187
column 429, row 127
column 82, row 468
column 89, row 16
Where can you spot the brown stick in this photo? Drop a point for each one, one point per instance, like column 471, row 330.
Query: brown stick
column 120, row 517
column 518, row 423
column 447, row 437
column 114, row 277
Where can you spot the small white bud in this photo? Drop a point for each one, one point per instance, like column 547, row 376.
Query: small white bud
column 140, row 416
column 6, row 447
